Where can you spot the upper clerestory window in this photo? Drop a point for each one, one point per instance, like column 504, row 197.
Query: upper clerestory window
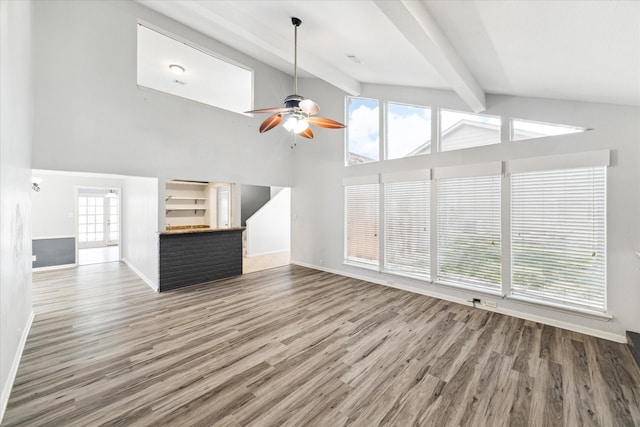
column 527, row 129
column 460, row 130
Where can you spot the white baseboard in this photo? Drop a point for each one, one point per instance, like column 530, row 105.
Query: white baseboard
column 6, row 389
column 53, row 267
column 140, row 274
column 507, row 311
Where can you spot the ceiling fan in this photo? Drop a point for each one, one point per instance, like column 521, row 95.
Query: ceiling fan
column 298, row 112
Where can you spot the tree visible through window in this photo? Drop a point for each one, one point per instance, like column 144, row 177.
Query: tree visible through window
column 469, row 231
column 558, row 236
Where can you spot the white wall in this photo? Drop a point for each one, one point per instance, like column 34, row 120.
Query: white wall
column 269, row 229
column 140, row 233
column 15, row 188
column 91, row 117
column 53, row 207
column 318, row 201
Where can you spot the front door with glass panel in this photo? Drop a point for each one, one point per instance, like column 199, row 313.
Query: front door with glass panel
column 98, row 221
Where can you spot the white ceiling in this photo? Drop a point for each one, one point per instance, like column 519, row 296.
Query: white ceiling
column 576, row 50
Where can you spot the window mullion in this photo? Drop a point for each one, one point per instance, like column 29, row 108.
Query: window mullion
column 433, row 244
column 381, row 233
column 505, row 231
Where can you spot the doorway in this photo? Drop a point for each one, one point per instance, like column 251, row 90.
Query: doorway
column 224, row 206
column 98, row 225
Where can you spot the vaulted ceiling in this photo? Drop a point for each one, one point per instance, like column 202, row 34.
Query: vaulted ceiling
column 576, row 50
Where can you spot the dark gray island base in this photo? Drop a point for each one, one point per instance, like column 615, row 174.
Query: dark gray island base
column 189, row 257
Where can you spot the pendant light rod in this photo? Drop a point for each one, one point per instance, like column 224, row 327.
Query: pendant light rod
column 296, row 23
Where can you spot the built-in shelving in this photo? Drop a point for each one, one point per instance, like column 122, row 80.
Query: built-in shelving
column 186, row 203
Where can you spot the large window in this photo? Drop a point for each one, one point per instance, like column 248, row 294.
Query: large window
column 469, row 231
column 558, row 236
column 527, row 228
column 363, row 129
column 362, row 223
column 407, row 228
column 408, row 130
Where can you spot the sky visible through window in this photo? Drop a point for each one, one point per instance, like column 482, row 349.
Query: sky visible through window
column 409, row 130
column 364, row 128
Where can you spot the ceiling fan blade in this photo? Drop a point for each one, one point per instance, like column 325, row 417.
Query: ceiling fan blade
column 325, row 123
column 270, row 110
column 309, row 107
column 307, row 133
column 271, row 122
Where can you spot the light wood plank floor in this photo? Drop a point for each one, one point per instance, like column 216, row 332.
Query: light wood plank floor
column 294, row 346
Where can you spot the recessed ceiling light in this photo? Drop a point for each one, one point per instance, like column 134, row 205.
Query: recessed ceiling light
column 177, row 69
column 355, row 59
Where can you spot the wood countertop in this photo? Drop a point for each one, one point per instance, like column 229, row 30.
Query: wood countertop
column 196, row 229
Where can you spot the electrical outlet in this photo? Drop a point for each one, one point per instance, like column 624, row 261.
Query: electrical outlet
column 488, row 303
column 321, row 262
column 33, row 258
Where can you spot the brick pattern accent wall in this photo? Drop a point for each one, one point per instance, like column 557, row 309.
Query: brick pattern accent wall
column 634, row 345
column 192, row 258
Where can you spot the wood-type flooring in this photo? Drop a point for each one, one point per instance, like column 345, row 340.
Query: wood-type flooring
column 295, row 346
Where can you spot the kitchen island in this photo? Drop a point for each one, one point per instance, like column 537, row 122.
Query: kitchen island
column 199, row 254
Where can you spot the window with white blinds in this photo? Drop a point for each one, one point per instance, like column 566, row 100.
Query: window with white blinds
column 407, row 230
column 469, row 231
column 558, row 236
column 362, row 204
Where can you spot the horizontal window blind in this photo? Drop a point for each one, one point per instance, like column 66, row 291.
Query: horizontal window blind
column 558, row 236
column 469, row 231
column 362, row 203
column 407, row 230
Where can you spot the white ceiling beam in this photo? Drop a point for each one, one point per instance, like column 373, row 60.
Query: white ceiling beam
column 233, row 26
column 414, row 21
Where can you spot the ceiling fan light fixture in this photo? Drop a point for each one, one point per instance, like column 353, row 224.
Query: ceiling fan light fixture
column 295, row 124
column 298, row 112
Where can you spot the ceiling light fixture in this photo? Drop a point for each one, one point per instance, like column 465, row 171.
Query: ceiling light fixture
column 355, row 59
column 176, row 69
column 35, row 183
column 298, row 111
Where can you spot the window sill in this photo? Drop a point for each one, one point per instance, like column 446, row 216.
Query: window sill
column 472, row 288
column 366, row 266
column 494, row 293
column 420, row 277
column 558, row 307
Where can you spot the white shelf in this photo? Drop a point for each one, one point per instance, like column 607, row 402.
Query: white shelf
column 185, row 208
column 185, row 198
column 186, row 203
column 203, row 184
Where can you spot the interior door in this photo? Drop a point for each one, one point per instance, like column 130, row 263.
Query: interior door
column 224, row 207
column 112, row 231
column 98, row 219
column 91, row 221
